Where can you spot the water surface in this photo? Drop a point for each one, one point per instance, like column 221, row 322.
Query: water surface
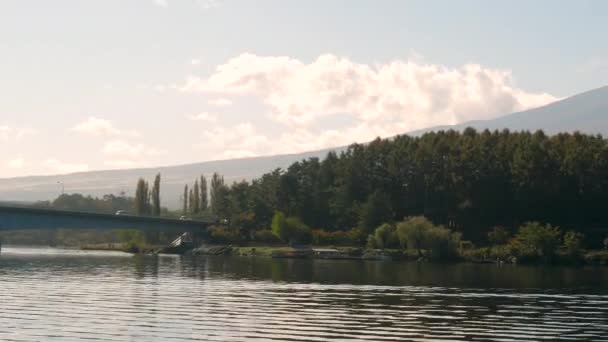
column 58, row 295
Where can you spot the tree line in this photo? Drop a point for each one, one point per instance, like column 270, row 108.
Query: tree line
column 470, row 182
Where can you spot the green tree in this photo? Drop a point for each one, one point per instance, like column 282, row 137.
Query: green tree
column 279, row 226
column 142, row 198
column 412, row 233
column 191, row 201
column 204, row 202
column 375, row 211
column 498, row 236
column 156, row 196
column 384, row 236
column 220, row 202
column 196, row 208
column 298, row 231
column 539, row 240
column 573, row 242
column 185, row 200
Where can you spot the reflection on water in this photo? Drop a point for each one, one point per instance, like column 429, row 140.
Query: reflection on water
column 56, row 295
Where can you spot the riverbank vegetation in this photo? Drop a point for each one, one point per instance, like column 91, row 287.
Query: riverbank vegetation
column 479, row 195
column 502, row 190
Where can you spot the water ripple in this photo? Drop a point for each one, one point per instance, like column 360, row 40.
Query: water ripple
column 117, row 298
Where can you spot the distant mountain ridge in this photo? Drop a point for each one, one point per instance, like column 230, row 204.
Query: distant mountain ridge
column 99, row 183
column 586, row 112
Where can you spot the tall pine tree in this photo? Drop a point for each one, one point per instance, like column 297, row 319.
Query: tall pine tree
column 219, row 196
column 191, row 201
column 142, row 198
column 156, row 196
column 204, row 202
column 185, row 198
column 195, row 198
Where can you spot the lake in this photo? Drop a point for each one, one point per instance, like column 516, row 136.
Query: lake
column 61, row 295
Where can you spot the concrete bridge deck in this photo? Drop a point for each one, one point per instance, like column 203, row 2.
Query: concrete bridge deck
column 19, row 218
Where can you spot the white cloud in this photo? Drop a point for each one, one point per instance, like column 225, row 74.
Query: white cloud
column 124, row 148
column 4, row 132
column 242, row 140
column 101, row 127
column 195, row 61
column 24, row 132
column 10, row 133
column 97, row 127
column 370, row 100
column 204, row 116
column 396, row 97
column 63, row 167
column 161, row 3
column 16, row 163
column 220, row 102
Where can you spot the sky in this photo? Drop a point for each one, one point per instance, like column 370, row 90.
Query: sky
column 110, row 84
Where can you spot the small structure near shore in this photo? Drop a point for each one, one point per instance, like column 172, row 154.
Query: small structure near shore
column 184, row 240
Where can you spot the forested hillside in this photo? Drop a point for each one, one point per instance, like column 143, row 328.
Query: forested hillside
column 470, row 181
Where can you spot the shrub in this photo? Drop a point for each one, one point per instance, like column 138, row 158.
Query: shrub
column 290, row 229
column 573, row 242
column 357, row 236
column 297, row 231
column 224, row 235
column 340, row 238
column 411, row 233
column 279, row 226
column 418, row 233
column 538, row 240
column 442, row 242
column 265, row 236
column 371, row 242
column 133, row 241
column 383, row 237
column 498, row 236
column 597, row 258
column 488, row 253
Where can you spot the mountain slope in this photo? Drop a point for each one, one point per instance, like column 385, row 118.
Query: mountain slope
column 586, row 112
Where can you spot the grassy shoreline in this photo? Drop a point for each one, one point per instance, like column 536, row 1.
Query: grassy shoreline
column 359, row 253
column 480, row 256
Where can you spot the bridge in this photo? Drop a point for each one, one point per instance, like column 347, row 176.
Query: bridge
column 20, row 218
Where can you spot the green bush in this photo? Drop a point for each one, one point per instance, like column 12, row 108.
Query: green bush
column 442, row 242
column 290, row 229
column 573, row 242
column 298, row 232
column 224, row 235
column 279, row 226
column 499, row 236
column 418, row 233
column 597, row 257
column 133, row 241
column 383, row 237
column 411, row 233
column 501, row 252
column 265, row 236
column 538, row 240
column 337, row 238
